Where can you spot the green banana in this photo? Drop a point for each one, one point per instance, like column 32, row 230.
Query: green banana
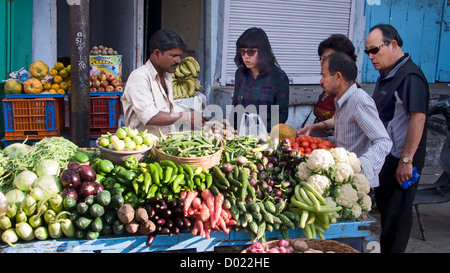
column 184, row 69
column 194, row 62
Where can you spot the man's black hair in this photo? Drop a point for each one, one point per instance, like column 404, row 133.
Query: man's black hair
column 389, row 34
column 165, row 39
column 341, row 62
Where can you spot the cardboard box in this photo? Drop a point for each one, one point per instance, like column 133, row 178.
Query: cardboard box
column 111, row 64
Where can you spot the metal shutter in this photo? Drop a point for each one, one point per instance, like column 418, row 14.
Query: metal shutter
column 294, row 27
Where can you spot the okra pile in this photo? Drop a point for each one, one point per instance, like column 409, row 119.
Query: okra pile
column 189, row 144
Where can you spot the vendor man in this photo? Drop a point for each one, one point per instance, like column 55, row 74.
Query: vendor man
column 148, row 96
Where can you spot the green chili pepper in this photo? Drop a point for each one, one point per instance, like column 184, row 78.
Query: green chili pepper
column 152, row 191
column 168, row 163
column 168, row 174
column 155, row 174
column 135, row 185
column 131, row 163
column 160, row 170
column 147, row 181
column 177, row 183
column 209, row 180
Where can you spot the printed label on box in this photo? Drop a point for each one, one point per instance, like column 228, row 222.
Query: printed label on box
column 111, row 64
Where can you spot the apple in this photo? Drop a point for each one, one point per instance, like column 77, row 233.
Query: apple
column 104, row 84
column 101, row 77
column 115, row 82
column 110, row 77
column 109, row 88
column 96, row 84
column 119, row 89
column 101, row 89
column 93, row 77
column 93, row 89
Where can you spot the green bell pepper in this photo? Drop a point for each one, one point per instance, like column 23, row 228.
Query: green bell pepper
column 131, row 198
column 80, row 157
column 131, row 163
column 125, row 177
column 109, row 182
column 105, row 166
column 118, row 189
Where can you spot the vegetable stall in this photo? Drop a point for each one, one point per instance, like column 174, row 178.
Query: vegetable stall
column 138, row 192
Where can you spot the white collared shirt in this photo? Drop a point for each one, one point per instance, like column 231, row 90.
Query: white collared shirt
column 144, row 97
column 358, row 129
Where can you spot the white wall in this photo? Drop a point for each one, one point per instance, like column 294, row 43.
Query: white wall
column 44, row 31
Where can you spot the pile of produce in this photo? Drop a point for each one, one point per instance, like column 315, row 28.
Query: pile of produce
column 54, row 189
column 185, row 83
column 59, row 81
column 104, row 82
column 219, row 129
column 189, row 144
column 103, row 50
column 284, row 246
column 126, row 139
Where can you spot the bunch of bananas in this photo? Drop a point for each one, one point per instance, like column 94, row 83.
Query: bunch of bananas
column 185, row 82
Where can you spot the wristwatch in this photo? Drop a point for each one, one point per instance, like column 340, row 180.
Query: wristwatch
column 406, row 159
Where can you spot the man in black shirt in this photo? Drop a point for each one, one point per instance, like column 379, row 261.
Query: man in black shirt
column 401, row 95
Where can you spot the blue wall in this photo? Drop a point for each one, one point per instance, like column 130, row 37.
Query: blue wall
column 416, row 22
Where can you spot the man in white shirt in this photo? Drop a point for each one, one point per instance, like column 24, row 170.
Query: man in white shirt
column 148, row 96
column 357, row 125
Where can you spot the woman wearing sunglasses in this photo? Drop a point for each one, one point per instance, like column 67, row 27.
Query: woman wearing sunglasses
column 259, row 80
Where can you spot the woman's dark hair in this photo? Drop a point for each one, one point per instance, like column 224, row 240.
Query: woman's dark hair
column 342, row 62
column 389, row 33
column 255, row 38
column 165, row 39
column 339, row 43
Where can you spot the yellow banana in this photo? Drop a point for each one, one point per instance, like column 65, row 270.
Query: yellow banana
column 191, row 67
column 178, row 73
column 184, row 69
column 176, row 89
column 197, row 84
column 191, row 90
column 194, row 62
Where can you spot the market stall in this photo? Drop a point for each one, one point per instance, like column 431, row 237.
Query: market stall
column 187, row 190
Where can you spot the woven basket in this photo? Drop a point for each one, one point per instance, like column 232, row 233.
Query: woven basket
column 205, row 162
column 317, row 244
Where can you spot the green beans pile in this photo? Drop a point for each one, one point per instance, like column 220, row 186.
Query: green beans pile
column 189, row 144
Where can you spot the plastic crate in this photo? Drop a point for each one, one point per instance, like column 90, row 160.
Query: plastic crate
column 35, row 118
column 104, row 115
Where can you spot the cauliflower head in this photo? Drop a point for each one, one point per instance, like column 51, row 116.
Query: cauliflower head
column 361, row 183
column 347, row 196
column 366, row 203
column 303, row 172
column 353, row 213
column 340, row 155
column 343, row 172
column 320, row 159
column 332, row 204
column 354, row 162
column 319, row 182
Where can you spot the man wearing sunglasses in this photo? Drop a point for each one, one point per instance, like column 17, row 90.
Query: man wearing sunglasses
column 401, row 95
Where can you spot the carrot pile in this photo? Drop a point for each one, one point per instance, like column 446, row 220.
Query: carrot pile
column 208, row 211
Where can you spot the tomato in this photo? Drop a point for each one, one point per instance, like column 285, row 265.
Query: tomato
column 305, row 144
column 308, row 151
column 313, row 146
column 322, row 146
column 327, row 143
column 319, row 140
column 300, row 139
column 301, row 150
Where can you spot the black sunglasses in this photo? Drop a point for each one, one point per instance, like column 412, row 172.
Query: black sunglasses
column 250, row 52
column 375, row 50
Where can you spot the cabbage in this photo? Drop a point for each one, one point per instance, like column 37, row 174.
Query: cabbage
column 24, row 180
column 16, row 150
column 47, row 167
column 49, row 184
column 15, row 196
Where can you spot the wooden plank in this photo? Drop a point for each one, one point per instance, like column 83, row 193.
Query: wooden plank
column 184, row 241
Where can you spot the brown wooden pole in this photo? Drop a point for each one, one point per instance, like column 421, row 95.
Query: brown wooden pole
column 79, row 58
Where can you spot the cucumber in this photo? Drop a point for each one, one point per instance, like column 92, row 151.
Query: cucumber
column 82, row 208
column 83, row 222
column 96, row 210
column 97, row 224
column 104, row 197
column 116, row 201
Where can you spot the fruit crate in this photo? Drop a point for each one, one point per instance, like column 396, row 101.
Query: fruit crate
column 33, row 118
column 105, row 114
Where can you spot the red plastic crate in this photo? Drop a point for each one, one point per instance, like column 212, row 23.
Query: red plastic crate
column 33, row 118
column 104, row 115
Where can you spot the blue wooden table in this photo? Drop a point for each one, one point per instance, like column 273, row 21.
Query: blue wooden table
column 360, row 230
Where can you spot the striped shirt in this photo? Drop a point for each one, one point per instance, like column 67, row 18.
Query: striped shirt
column 358, row 129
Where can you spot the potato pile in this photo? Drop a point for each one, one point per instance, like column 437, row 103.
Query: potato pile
column 103, row 50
